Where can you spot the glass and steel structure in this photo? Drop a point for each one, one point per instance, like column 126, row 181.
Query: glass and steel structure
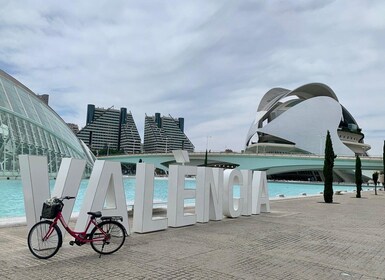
column 28, row 126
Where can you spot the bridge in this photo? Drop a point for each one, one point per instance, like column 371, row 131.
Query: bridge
column 271, row 163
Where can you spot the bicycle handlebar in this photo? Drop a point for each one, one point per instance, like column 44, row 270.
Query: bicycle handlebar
column 68, row 197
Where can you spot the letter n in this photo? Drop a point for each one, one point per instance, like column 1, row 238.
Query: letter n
column 209, row 194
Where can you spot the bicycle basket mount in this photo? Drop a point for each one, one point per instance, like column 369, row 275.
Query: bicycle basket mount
column 50, row 208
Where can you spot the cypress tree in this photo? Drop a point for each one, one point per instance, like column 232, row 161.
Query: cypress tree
column 375, row 180
column 328, row 169
column 383, row 164
column 358, row 174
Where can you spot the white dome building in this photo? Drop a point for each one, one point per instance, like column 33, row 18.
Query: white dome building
column 297, row 121
column 28, row 126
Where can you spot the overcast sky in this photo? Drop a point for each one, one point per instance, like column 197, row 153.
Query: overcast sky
column 207, row 61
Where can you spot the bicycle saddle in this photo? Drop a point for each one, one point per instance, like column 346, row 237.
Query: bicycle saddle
column 96, row 214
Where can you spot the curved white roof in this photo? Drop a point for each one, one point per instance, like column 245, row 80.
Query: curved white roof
column 28, row 126
column 301, row 116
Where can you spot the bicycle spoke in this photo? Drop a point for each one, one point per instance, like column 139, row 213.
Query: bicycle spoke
column 113, row 237
column 40, row 243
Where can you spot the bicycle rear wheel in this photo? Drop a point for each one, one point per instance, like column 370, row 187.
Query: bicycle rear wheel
column 44, row 249
column 114, row 239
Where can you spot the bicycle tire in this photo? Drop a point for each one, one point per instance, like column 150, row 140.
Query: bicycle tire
column 44, row 249
column 117, row 236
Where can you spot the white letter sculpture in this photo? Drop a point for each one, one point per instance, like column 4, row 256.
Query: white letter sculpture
column 232, row 177
column 260, row 193
column 177, row 194
column 246, row 192
column 105, row 192
column 209, row 193
column 34, row 175
column 144, row 199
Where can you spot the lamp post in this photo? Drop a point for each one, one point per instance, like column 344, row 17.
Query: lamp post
column 207, row 142
column 166, row 144
column 207, row 145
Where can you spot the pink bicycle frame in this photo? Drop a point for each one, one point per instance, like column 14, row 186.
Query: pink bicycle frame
column 79, row 235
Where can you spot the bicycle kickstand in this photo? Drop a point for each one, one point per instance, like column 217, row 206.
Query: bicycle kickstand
column 100, row 255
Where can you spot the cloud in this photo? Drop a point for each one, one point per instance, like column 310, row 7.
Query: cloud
column 207, row 61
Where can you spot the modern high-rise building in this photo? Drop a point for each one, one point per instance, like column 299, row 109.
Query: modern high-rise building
column 73, row 127
column 110, row 130
column 29, row 126
column 163, row 134
column 44, row 98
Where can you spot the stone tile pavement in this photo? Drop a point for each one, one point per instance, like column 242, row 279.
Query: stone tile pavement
column 301, row 238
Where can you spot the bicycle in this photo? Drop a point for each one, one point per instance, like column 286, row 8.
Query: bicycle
column 45, row 237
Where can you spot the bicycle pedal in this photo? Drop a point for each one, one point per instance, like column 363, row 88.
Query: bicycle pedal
column 72, row 243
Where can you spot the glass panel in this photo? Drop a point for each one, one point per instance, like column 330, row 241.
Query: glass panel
column 47, row 139
column 36, row 106
column 27, row 132
column 13, row 97
column 41, row 137
column 48, row 117
column 54, row 143
column 12, row 127
column 3, row 98
column 33, row 136
column 25, row 98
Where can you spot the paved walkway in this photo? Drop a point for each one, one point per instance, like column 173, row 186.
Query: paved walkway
column 300, row 239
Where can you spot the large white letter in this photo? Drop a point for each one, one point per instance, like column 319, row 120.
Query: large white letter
column 209, row 194
column 246, row 192
column 232, row 177
column 68, row 183
column 260, row 193
column 177, row 194
column 105, row 192
column 144, row 198
column 34, row 175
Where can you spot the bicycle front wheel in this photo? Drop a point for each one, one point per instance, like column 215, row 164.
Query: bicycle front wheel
column 108, row 237
column 42, row 245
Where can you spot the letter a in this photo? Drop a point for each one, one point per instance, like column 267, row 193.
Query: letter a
column 104, row 193
column 260, row 193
